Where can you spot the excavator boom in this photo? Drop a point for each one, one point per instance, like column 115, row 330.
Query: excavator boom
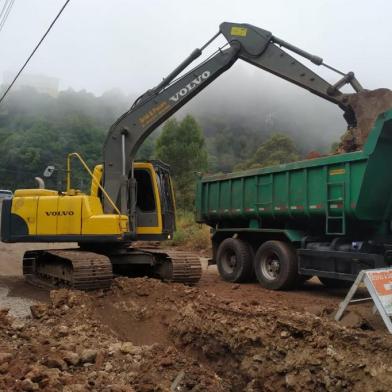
column 246, row 42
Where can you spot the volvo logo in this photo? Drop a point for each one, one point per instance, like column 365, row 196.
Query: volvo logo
column 190, row 86
column 59, row 213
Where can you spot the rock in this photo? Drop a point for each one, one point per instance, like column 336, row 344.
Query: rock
column 235, row 286
column 291, row 380
column 99, row 360
column 108, row 367
column 59, row 297
column 4, row 367
column 142, row 292
column 55, row 362
column 73, row 299
column 353, row 319
column 166, row 362
column 49, row 379
column 35, row 374
column 18, row 325
column 75, row 388
column 38, row 310
column 51, row 321
column 331, row 352
column 5, row 357
column 258, row 358
column 28, row 385
column 317, row 310
column 284, row 334
column 88, row 356
column 63, row 330
column 128, row 348
column 71, row 358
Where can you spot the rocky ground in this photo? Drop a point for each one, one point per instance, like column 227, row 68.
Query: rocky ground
column 146, row 335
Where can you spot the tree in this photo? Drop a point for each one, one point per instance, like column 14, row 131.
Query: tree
column 276, row 150
column 146, row 150
column 182, row 146
column 25, row 154
column 229, row 143
column 38, row 129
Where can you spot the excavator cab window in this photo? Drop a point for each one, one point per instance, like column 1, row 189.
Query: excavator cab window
column 145, row 192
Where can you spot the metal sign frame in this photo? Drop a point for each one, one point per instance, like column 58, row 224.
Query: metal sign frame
column 365, row 277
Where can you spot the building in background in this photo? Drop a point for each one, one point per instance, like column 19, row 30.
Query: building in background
column 41, row 83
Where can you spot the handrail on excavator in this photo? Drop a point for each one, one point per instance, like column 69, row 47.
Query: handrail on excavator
column 93, row 178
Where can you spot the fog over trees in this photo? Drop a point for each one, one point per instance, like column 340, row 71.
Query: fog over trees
column 37, row 129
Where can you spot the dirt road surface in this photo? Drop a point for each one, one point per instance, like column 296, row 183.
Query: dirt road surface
column 145, row 335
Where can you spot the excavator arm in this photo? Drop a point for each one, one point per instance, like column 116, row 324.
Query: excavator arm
column 131, row 129
column 246, row 42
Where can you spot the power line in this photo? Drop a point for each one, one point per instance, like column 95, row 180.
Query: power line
column 7, row 12
column 4, row 7
column 34, row 50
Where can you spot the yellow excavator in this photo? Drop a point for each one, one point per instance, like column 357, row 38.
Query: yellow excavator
column 133, row 201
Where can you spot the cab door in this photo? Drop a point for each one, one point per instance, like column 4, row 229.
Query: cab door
column 167, row 200
column 148, row 206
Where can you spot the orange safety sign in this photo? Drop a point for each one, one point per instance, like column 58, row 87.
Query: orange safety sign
column 382, row 283
column 379, row 285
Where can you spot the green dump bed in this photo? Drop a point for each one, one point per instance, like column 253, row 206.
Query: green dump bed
column 336, row 194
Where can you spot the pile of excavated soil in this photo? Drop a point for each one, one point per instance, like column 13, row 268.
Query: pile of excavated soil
column 367, row 106
column 146, row 335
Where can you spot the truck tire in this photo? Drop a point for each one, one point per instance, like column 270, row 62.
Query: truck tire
column 235, row 260
column 276, row 265
column 332, row 283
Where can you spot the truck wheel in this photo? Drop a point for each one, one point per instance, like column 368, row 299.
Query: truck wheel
column 276, row 265
column 332, row 283
column 235, row 260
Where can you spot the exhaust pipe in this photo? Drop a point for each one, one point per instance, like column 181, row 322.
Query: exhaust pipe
column 40, row 182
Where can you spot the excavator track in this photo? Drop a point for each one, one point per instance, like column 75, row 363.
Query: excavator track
column 70, row 268
column 182, row 267
column 84, row 270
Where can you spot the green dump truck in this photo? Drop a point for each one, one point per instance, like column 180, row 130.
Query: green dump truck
column 328, row 217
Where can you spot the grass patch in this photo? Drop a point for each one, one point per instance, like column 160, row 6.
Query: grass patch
column 189, row 234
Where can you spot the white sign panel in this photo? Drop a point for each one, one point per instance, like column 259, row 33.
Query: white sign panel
column 381, row 281
column 379, row 284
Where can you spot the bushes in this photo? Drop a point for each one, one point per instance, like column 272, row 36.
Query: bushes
column 190, row 234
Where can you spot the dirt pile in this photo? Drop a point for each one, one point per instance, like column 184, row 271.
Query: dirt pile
column 65, row 347
column 145, row 335
column 273, row 349
column 367, row 106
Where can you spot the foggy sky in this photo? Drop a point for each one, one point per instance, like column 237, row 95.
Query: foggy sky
column 101, row 44
column 98, row 45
